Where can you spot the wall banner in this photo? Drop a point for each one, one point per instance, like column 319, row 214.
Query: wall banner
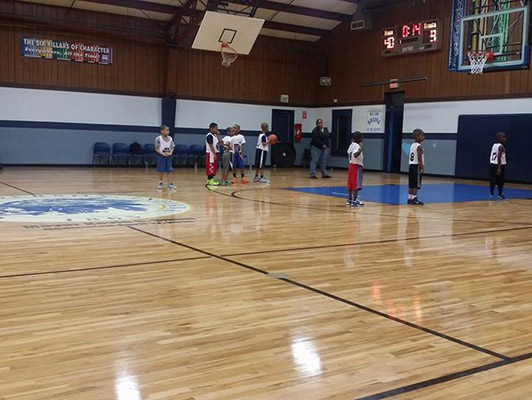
column 65, row 51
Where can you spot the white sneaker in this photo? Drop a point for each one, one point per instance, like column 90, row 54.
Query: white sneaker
column 256, row 179
column 359, row 202
column 171, row 186
column 160, row 186
column 264, row 180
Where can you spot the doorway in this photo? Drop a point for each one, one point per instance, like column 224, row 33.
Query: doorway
column 341, row 132
column 393, row 134
column 283, row 125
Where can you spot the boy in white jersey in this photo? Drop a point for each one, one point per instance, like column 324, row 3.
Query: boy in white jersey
column 416, row 159
column 238, row 160
column 212, row 140
column 356, row 170
column 164, row 147
column 261, row 153
column 498, row 165
column 227, row 158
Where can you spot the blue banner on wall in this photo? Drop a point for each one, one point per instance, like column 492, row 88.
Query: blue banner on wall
column 456, row 26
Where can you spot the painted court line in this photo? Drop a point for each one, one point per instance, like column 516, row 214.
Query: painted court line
column 62, row 271
column 343, row 210
column 334, row 297
column 445, row 378
column 17, row 188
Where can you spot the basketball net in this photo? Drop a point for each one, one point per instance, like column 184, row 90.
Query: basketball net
column 229, row 55
column 477, row 60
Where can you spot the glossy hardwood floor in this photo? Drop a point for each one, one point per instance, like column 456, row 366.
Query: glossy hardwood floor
column 264, row 293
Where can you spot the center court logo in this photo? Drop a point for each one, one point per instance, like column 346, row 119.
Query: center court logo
column 82, row 208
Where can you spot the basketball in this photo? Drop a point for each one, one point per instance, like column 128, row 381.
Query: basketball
column 273, row 138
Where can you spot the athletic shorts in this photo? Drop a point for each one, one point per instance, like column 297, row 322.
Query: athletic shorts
column 354, row 177
column 493, row 171
column 227, row 164
column 164, row 164
column 211, row 164
column 238, row 161
column 414, row 177
column 260, row 158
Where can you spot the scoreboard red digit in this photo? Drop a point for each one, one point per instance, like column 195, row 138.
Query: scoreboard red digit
column 417, row 37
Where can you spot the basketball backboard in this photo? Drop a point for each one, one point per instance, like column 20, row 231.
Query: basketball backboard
column 238, row 32
column 500, row 27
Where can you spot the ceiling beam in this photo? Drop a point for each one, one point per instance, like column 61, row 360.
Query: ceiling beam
column 140, row 5
column 184, row 30
column 295, row 28
column 310, row 12
column 179, row 11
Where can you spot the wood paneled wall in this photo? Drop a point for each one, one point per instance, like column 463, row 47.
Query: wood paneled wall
column 137, row 66
column 355, row 58
column 273, row 68
column 145, row 65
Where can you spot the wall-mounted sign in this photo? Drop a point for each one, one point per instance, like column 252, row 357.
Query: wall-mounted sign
column 304, row 115
column 375, row 123
column 394, row 83
column 66, row 51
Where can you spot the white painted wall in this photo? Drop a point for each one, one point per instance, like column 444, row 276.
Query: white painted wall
column 30, row 105
column 442, row 117
column 373, row 147
column 91, row 108
column 198, row 114
column 360, row 114
column 18, row 104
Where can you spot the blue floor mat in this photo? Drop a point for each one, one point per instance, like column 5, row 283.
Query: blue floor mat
column 431, row 193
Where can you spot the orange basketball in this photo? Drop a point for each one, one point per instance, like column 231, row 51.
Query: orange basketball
column 273, row 138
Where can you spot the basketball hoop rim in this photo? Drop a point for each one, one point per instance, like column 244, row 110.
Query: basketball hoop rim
column 229, row 55
column 478, row 59
column 480, row 52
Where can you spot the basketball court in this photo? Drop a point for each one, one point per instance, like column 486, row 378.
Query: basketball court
column 112, row 289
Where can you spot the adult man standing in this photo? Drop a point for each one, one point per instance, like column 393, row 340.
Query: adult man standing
column 319, row 147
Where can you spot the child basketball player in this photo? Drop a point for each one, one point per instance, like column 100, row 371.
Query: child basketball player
column 416, row 160
column 164, row 146
column 227, row 158
column 211, row 158
column 498, row 165
column 238, row 161
column 356, row 170
column 261, row 153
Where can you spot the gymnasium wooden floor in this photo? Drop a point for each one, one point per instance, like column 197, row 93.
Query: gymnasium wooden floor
column 384, row 301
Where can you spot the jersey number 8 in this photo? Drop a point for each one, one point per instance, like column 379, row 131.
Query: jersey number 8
column 412, row 156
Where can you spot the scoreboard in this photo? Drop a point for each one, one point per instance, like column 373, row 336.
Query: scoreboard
column 417, row 37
